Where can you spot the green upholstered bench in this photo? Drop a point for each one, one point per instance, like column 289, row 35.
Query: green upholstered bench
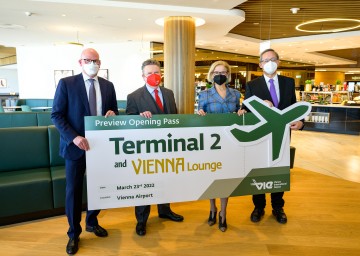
column 25, row 119
column 25, row 181
column 17, row 119
column 57, row 169
column 44, row 118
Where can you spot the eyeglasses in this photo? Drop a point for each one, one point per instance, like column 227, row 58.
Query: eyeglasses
column 88, row 61
column 220, row 73
column 267, row 60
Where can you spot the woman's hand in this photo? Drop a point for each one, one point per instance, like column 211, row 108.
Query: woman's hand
column 201, row 112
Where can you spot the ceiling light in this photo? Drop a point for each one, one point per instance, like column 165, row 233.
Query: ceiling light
column 294, row 10
column 11, row 26
column 328, row 30
column 198, row 21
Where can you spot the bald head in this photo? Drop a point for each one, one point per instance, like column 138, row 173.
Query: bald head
column 90, row 62
column 89, row 52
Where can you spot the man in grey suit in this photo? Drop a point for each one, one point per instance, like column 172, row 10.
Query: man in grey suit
column 146, row 101
column 279, row 92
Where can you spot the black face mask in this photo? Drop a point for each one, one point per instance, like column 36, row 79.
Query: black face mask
column 220, row 79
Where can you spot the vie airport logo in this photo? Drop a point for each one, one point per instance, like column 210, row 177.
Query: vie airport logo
column 265, row 185
column 262, row 185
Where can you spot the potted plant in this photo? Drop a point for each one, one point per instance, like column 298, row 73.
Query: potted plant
column 308, row 85
column 337, row 85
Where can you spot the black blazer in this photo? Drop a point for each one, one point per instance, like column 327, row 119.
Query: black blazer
column 141, row 100
column 258, row 87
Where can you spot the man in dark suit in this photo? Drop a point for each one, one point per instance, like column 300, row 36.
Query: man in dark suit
column 277, row 91
column 145, row 101
column 72, row 102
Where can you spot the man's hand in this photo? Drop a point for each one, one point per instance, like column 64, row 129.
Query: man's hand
column 110, row 113
column 82, row 143
column 270, row 104
column 296, row 125
column 146, row 114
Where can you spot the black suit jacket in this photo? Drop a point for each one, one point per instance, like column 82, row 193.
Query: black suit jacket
column 258, row 87
column 141, row 100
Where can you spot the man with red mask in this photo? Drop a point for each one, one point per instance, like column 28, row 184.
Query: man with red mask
column 146, row 101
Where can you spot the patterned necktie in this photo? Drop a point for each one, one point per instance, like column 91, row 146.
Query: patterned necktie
column 158, row 100
column 273, row 93
column 92, row 98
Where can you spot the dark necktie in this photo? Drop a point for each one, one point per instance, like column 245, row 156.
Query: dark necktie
column 273, row 93
column 92, row 98
column 158, row 100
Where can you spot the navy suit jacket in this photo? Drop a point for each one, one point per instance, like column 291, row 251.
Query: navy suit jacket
column 259, row 88
column 141, row 100
column 71, row 105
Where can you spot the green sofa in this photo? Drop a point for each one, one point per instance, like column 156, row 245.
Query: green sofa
column 32, row 174
column 24, row 119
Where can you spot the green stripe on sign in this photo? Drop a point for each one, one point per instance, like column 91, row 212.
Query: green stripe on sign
column 166, row 121
column 221, row 188
column 264, row 180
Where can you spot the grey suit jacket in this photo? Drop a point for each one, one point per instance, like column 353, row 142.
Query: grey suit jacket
column 141, row 100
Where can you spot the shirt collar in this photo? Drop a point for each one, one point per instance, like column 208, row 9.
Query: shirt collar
column 152, row 89
column 86, row 77
column 275, row 78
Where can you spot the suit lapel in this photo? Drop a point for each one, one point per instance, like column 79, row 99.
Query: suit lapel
column 166, row 100
column 103, row 93
column 264, row 89
column 282, row 89
column 82, row 92
column 148, row 99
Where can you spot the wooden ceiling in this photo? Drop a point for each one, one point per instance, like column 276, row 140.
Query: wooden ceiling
column 272, row 19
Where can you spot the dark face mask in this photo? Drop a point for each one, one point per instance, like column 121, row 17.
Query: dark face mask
column 220, row 79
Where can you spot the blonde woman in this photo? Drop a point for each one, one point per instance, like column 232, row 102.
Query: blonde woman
column 219, row 99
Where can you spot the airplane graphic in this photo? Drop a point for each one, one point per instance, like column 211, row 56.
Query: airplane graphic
column 273, row 122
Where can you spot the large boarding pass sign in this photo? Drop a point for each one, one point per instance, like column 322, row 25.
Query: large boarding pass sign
column 173, row 158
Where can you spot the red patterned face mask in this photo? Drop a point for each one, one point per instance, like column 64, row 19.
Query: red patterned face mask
column 153, row 80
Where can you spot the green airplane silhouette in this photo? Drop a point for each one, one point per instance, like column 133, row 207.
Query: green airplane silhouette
column 272, row 121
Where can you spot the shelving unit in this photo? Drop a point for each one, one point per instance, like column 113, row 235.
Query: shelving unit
column 318, row 117
column 332, row 97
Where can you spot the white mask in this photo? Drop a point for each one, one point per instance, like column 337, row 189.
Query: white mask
column 91, row 69
column 270, row 67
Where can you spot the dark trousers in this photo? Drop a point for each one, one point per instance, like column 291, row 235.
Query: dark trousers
column 75, row 171
column 142, row 212
column 277, row 201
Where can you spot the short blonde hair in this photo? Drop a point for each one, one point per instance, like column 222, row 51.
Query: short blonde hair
column 214, row 65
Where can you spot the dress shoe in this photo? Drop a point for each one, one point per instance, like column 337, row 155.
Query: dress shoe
column 257, row 214
column 222, row 223
column 212, row 218
column 140, row 229
column 280, row 215
column 97, row 230
column 72, row 246
column 171, row 216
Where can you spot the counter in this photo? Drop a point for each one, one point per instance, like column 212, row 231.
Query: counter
column 335, row 118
